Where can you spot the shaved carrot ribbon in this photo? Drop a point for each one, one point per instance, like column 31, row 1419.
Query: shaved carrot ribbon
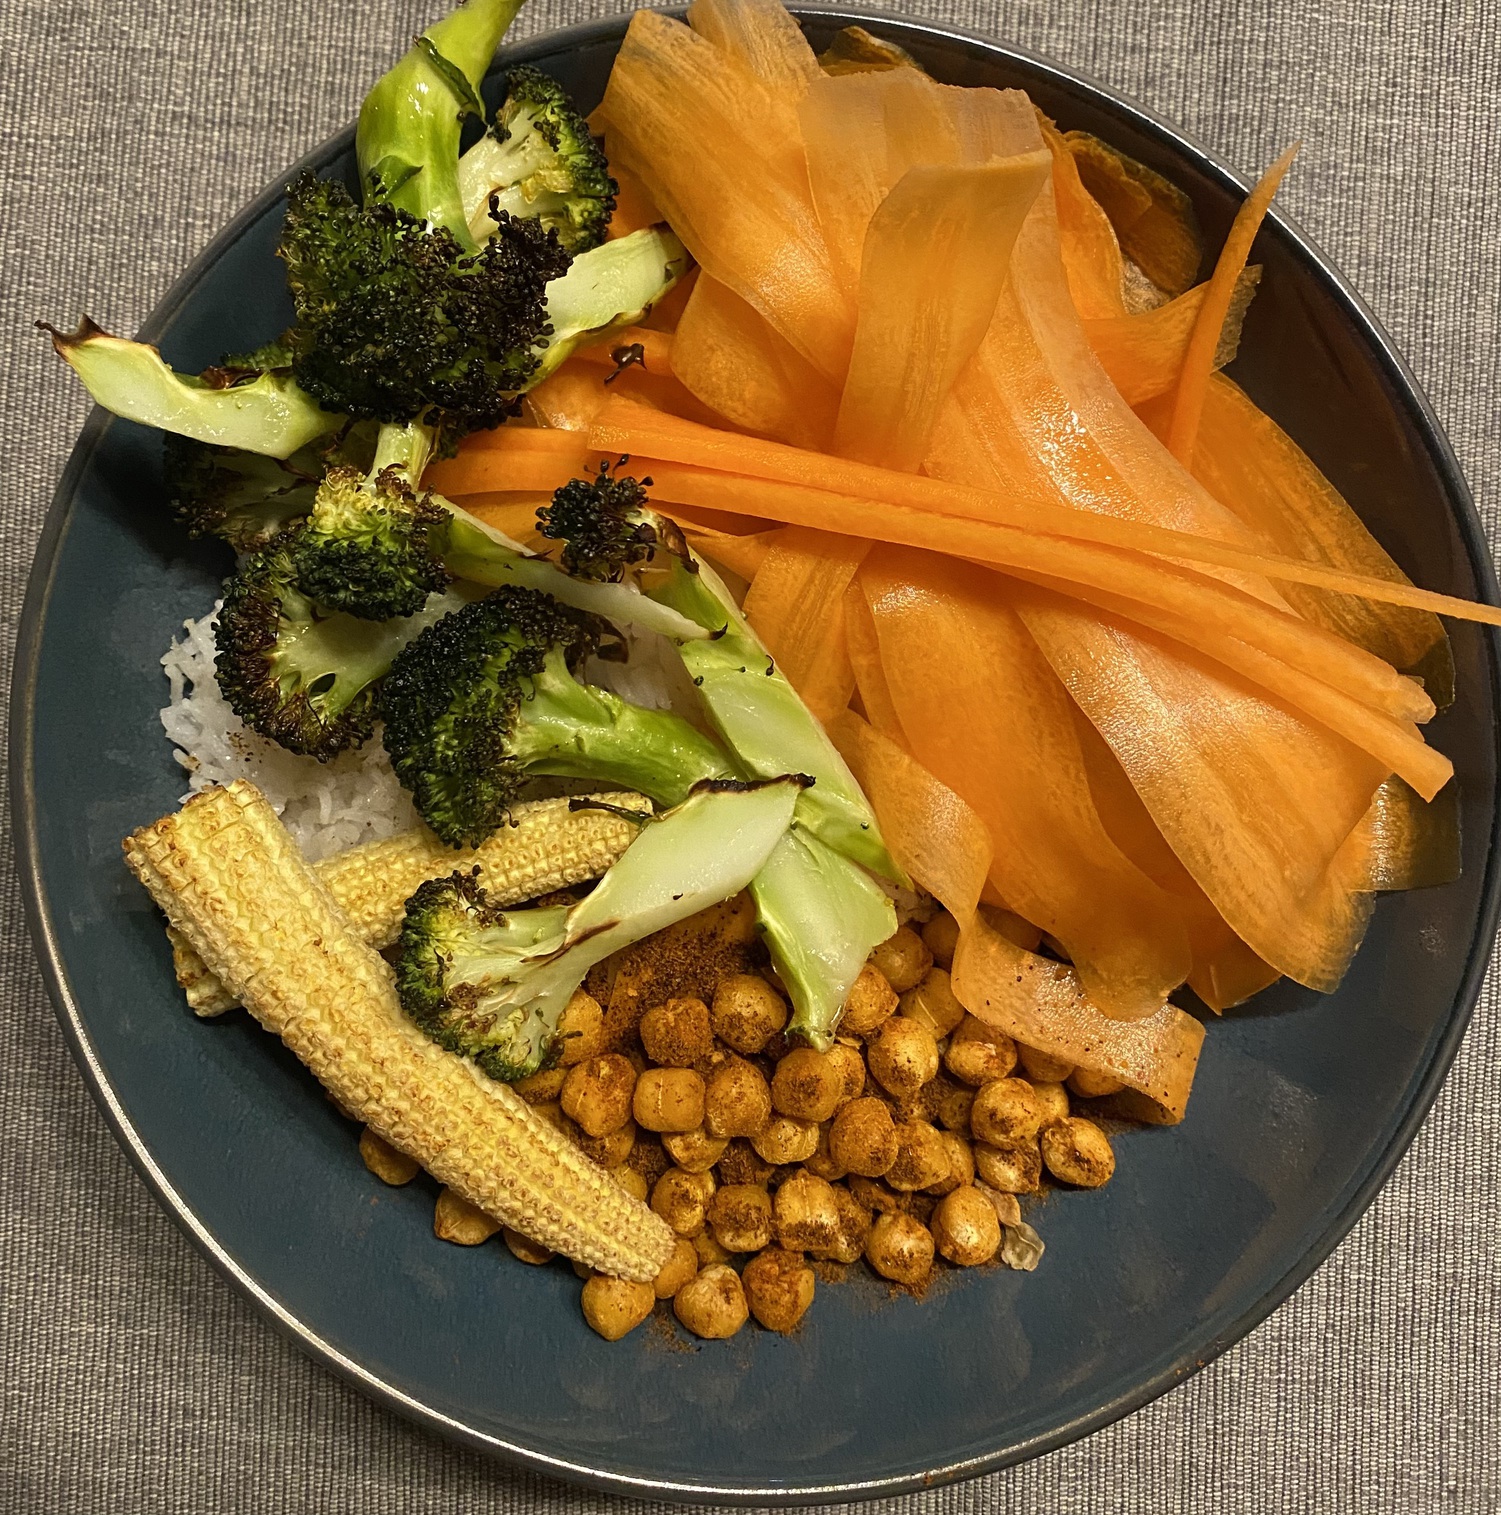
column 796, row 604
column 1198, row 362
column 942, row 844
column 656, row 350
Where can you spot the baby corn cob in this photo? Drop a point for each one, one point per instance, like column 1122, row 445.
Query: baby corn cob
column 549, row 847
column 234, row 886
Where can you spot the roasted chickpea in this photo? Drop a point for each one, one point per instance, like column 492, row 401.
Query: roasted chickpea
column 1012, row 1170
column 597, row 1093
column 694, row 1151
column 949, row 1103
column 941, row 936
column 922, row 1157
column 854, row 1228
column 742, row 1164
column 581, row 1029
column 932, row 1004
column 737, row 1101
column 682, row 1199
column 634, row 1183
column 708, row 1251
column 863, row 1138
column 966, row 1229
column 961, row 1165
column 456, row 1220
column 609, row 1151
column 747, row 1012
column 870, row 1001
column 1090, row 1085
column 740, row 1216
column 614, row 1306
column 1054, row 1101
column 852, row 1067
column 778, row 1288
column 539, row 1088
column 677, row 1270
column 823, row 1163
column 524, row 1249
column 902, row 959
column 979, row 1054
column 1078, row 1152
column 1006, row 1112
column 786, row 1139
column 806, row 1213
column 873, row 1196
column 712, row 1304
column 676, row 1034
column 807, row 1085
column 903, row 1057
column 900, row 1248
column 385, row 1162
column 669, row 1099
column 1040, row 1067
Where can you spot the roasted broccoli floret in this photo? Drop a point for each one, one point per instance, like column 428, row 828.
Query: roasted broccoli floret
column 487, row 698
column 456, row 971
column 397, row 322
column 491, row 984
column 605, row 524
column 368, row 546
column 298, row 676
column 539, row 162
column 244, row 497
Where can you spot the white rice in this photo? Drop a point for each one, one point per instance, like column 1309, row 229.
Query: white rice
column 326, row 806
column 355, row 798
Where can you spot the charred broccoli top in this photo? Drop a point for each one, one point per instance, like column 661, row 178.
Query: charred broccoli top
column 487, row 698
column 244, row 497
column 396, row 322
column 539, row 162
column 604, row 524
column 457, row 965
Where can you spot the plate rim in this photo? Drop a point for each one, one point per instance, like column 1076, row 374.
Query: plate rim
column 1406, row 391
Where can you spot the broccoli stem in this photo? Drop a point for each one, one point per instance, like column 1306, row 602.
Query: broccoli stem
column 579, row 731
column 764, row 722
column 270, row 415
column 407, row 140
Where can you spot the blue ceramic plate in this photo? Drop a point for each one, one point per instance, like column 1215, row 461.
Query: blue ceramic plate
column 1302, row 1107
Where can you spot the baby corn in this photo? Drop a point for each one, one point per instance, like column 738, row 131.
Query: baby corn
column 235, row 888
column 549, row 847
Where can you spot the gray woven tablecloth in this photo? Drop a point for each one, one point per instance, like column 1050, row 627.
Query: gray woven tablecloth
column 132, row 1378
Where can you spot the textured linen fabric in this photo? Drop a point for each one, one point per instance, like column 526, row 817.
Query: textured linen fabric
column 133, row 1378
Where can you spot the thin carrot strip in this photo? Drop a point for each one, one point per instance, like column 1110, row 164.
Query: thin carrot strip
column 1198, row 363
column 1200, row 599
column 623, row 428
column 742, row 555
column 864, row 651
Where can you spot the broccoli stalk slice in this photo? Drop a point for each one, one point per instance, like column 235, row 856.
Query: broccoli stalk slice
column 763, row 720
column 821, row 915
column 407, row 140
column 485, row 700
column 479, row 554
column 540, row 162
column 606, row 289
column 493, row 986
column 267, row 414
